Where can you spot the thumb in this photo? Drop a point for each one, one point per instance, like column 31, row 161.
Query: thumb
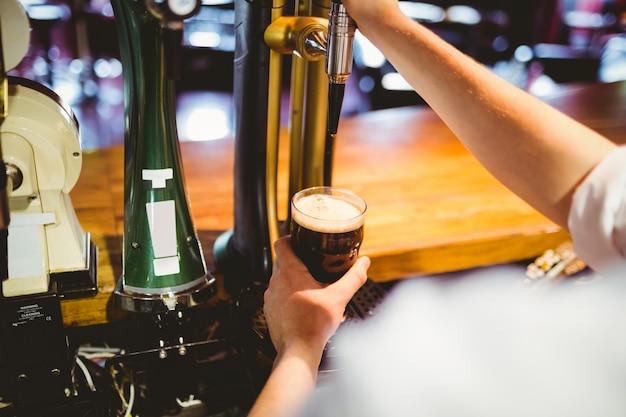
column 354, row 279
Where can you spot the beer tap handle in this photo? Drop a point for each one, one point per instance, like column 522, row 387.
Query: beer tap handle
column 339, row 51
column 341, row 29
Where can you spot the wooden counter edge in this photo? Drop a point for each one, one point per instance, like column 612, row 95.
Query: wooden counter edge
column 386, row 267
column 462, row 255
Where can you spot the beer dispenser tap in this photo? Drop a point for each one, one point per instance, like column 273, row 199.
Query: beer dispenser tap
column 318, row 29
column 163, row 264
column 164, row 279
column 244, row 254
column 339, row 51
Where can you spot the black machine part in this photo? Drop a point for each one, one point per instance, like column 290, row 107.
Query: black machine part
column 36, row 365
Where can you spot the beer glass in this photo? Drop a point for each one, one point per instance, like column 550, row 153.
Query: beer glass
column 327, row 230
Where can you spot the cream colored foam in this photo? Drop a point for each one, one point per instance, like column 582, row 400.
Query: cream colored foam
column 327, row 213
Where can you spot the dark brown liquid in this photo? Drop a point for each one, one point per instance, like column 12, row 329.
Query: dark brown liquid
column 327, row 255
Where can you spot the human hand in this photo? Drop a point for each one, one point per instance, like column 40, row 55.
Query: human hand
column 300, row 311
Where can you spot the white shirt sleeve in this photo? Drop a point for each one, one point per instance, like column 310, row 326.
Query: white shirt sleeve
column 597, row 219
column 482, row 347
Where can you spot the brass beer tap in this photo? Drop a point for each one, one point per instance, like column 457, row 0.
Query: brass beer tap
column 318, row 36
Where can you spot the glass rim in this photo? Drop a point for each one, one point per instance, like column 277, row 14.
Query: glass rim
column 354, row 199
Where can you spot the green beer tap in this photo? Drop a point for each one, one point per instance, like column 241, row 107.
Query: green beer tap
column 163, row 262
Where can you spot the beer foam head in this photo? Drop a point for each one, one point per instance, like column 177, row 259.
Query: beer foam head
column 328, row 213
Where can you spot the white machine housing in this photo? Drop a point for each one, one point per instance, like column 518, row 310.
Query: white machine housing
column 40, row 138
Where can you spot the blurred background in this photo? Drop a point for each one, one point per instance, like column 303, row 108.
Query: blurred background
column 540, row 45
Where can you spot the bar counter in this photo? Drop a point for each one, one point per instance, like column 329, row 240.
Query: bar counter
column 431, row 207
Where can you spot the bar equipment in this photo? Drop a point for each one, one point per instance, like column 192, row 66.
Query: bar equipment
column 339, row 57
column 163, row 263
column 298, row 30
column 164, row 278
column 43, row 158
column 316, row 30
column 46, row 255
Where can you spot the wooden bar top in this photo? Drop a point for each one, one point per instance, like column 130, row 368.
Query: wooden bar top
column 431, row 206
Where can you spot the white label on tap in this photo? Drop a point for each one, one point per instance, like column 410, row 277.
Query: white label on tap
column 162, row 223
column 158, row 177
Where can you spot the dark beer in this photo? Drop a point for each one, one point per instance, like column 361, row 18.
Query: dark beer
column 327, row 230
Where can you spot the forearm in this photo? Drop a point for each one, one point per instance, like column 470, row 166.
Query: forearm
column 534, row 150
column 302, row 314
column 290, row 383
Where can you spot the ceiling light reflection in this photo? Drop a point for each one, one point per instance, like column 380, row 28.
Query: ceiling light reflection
column 205, row 124
column 395, row 82
column 205, row 39
column 367, row 53
column 463, row 14
column 423, row 12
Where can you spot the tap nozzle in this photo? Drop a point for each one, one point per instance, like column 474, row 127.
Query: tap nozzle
column 339, row 50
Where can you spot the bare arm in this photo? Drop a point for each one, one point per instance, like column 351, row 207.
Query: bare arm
column 290, row 383
column 536, row 151
column 302, row 315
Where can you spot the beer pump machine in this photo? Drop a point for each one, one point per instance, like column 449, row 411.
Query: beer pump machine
column 163, row 263
column 319, row 36
column 46, row 255
column 164, row 275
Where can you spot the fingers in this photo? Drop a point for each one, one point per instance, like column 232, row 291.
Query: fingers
column 348, row 284
column 298, row 306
